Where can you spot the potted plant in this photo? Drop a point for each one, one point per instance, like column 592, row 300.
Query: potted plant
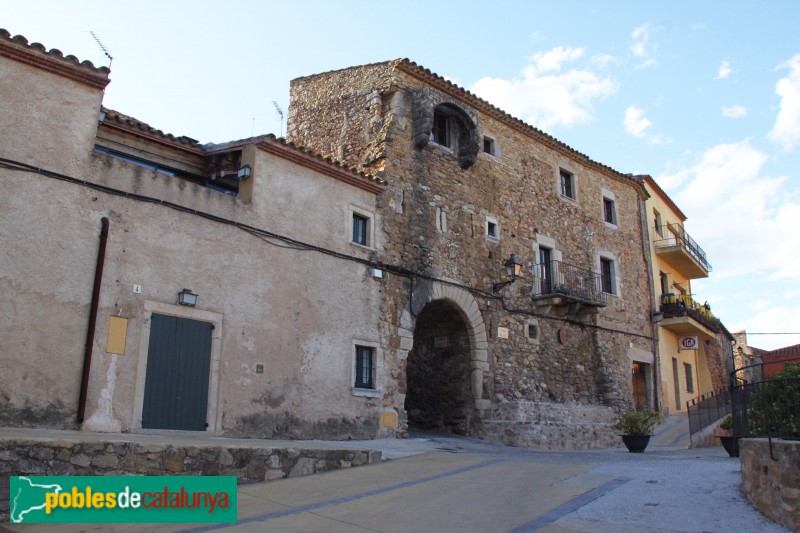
column 729, row 442
column 636, row 428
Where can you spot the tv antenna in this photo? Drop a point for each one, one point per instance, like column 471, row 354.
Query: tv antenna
column 103, row 48
column 279, row 111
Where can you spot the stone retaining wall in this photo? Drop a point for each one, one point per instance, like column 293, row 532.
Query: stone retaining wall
column 773, row 487
column 551, row 426
column 249, row 465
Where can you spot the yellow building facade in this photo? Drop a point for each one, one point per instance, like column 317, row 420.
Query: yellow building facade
column 688, row 343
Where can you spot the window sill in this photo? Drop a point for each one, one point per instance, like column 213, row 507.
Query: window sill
column 362, row 246
column 368, row 393
column 610, row 225
column 442, row 147
column 568, row 199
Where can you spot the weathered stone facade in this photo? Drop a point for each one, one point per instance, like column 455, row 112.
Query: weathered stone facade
column 453, row 214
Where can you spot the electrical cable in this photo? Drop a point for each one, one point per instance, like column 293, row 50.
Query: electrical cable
column 294, row 244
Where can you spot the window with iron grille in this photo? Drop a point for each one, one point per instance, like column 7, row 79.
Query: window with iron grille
column 687, row 370
column 365, row 367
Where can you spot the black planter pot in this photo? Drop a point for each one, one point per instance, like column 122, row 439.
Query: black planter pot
column 636, row 443
column 731, row 445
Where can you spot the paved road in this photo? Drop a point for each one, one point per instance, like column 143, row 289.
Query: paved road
column 442, row 484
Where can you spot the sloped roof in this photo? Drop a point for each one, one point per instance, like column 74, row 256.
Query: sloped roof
column 788, row 350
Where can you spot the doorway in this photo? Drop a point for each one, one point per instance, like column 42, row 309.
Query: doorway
column 177, row 376
column 639, row 383
column 439, row 393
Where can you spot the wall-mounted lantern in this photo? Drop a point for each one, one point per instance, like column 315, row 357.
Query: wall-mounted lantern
column 513, row 271
column 187, row 297
column 244, row 172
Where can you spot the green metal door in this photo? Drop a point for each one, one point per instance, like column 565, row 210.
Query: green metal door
column 176, row 382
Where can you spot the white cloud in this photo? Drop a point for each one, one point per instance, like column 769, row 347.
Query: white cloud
column 635, row 122
column 724, row 71
column 786, row 130
column 744, row 220
column 776, row 319
column 544, row 96
column 734, row 111
column 603, row 60
column 641, row 46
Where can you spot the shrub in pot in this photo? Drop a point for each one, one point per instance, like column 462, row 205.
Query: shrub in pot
column 636, row 428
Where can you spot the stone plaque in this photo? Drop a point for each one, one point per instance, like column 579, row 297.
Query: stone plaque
column 502, row 333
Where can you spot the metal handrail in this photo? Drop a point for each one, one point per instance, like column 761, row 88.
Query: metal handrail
column 684, row 240
column 556, row 278
column 768, row 408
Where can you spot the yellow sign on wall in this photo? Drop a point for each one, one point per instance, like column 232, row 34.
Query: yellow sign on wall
column 117, row 332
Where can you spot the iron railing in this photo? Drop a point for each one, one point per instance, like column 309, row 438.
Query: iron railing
column 677, row 236
column 707, row 409
column 683, row 305
column 556, row 278
column 769, row 408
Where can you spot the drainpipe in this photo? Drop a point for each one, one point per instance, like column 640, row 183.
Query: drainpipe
column 644, row 226
column 87, row 354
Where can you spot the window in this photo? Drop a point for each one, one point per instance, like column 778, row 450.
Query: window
column 687, row 370
column 365, row 367
column 664, row 282
column 492, row 228
column 488, row 145
column 533, row 331
column 609, row 211
column 545, row 269
column 567, row 184
column 657, row 222
column 607, row 275
column 360, row 224
column 441, row 133
column 361, row 227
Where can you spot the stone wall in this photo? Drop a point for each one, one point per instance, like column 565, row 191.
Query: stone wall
column 249, row 465
column 549, row 426
column 773, row 486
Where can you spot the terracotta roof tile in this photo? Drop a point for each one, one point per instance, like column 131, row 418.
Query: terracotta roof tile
column 52, row 60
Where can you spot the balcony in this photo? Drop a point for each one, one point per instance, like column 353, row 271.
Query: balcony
column 681, row 252
column 563, row 289
column 686, row 317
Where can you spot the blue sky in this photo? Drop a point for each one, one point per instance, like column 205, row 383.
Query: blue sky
column 703, row 96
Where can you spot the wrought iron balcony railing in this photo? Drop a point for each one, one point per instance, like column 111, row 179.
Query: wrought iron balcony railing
column 677, row 236
column 683, row 305
column 556, row 278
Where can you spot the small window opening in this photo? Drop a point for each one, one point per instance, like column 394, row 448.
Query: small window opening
column 533, row 331
column 567, row 184
column 365, row 367
column 488, row 145
column 360, row 229
column 609, row 213
column 441, row 133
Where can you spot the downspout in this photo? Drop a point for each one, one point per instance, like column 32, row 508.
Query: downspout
column 87, row 354
column 651, row 290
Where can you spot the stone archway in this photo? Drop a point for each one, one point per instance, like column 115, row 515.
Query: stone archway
column 443, row 338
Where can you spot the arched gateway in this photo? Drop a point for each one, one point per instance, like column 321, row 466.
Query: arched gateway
column 447, row 359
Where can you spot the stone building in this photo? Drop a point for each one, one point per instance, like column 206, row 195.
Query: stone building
column 279, row 334
column 541, row 361
column 693, row 345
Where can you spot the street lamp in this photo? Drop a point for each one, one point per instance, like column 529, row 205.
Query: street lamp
column 513, row 271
